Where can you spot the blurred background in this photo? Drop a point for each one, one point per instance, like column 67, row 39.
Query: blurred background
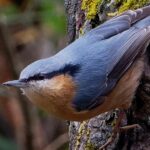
column 29, row 30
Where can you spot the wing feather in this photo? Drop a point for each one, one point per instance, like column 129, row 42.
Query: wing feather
column 135, row 46
column 119, row 23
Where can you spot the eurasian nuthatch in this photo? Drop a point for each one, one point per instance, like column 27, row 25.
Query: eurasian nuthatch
column 98, row 72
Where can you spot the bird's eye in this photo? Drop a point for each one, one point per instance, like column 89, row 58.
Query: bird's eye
column 39, row 77
column 36, row 77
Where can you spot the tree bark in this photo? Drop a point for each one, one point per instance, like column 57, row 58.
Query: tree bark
column 82, row 16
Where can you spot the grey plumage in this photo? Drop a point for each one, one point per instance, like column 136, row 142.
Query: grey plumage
column 103, row 54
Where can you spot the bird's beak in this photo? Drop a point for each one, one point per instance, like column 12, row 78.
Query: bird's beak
column 16, row 83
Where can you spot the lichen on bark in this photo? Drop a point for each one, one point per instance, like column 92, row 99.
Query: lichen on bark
column 90, row 7
column 130, row 4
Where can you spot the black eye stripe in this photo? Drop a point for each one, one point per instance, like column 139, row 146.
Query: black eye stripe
column 67, row 69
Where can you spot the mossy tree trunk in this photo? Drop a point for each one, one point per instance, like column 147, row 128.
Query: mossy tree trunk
column 82, row 16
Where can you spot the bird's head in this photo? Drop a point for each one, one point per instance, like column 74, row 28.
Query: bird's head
column 48, row 84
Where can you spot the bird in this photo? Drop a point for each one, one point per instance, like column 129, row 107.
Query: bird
column 98, row 72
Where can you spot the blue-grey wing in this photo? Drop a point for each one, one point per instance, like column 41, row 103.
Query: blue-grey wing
column 92, row 90
column 132, row 42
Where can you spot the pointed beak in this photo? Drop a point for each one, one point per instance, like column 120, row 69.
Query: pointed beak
column 16, row 83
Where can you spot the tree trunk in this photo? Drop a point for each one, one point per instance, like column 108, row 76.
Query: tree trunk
column 99, row 132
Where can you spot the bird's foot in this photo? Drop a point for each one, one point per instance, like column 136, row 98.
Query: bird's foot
column 128, row 127
column 118, row 128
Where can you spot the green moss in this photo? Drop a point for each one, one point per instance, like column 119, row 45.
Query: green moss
column 90, row 7
column 131, row 4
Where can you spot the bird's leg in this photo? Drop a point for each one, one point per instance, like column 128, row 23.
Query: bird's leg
column 117, row 128
column 128, row 127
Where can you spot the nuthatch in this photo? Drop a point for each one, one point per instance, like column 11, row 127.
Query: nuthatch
column 97, row 73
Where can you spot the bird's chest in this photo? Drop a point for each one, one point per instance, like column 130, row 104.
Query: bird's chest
column 54, row 96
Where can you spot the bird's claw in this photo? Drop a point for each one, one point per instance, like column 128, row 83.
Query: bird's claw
column 122, row 129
